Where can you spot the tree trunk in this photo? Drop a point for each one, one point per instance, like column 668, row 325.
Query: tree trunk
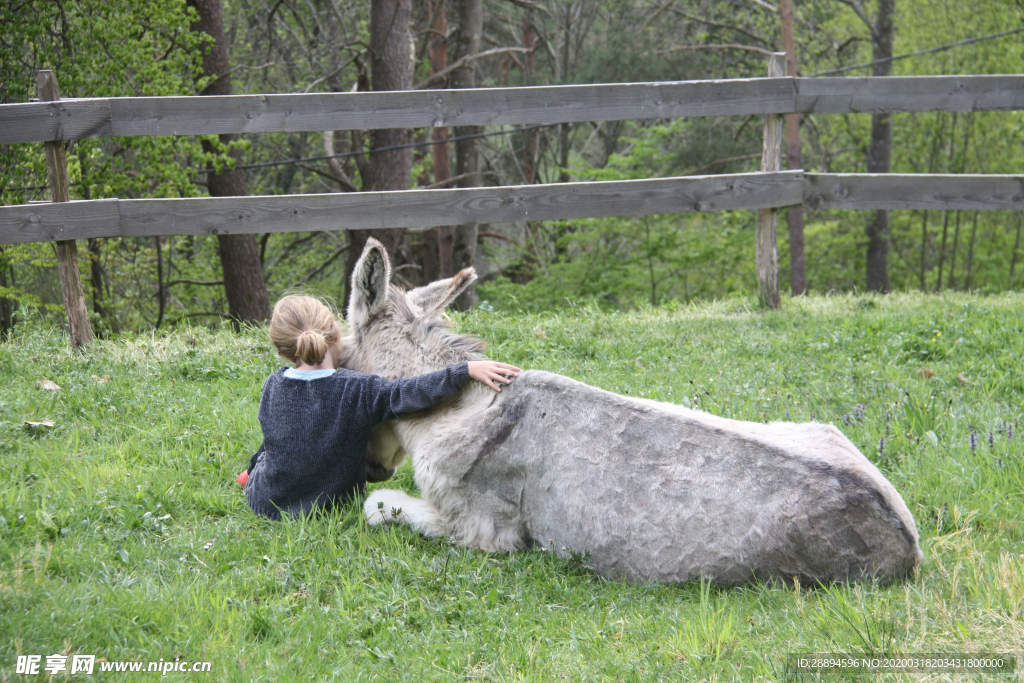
column 970, row 254
column 391, row 69
column 9, row 307
column 95, row 258
column 795, row 214
column 96, row 281
column 952, row 260
column 942, row 250
column 1016, row 247
column 467, row 159
column 880, row 153
column 239, row 256
column 161, row 291
column 439, row 242
column 529, row 136
column 563, row 78
column 924, row 246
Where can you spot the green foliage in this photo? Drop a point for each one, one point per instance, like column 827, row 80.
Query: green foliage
column 625, row 262
column 97, row 49
column 102, row 49
column 610, row 260
column 123, row 534
column 147, row 48
column 976, row 142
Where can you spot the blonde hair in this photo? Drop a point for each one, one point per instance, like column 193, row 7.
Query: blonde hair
column 303, row 328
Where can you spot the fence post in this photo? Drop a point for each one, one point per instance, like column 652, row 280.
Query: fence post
column 768, row 219
column 67, row 250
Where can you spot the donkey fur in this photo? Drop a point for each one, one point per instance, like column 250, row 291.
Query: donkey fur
column 643, row 490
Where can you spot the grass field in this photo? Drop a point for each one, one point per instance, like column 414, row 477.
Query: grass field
column 124, row 536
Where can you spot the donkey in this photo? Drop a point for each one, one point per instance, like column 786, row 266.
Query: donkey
column 642, row 490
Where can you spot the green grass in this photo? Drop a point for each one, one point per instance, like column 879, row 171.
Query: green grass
column 105, row 518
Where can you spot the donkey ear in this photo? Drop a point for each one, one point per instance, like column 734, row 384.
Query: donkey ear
column 437, row 296
column 370, row 281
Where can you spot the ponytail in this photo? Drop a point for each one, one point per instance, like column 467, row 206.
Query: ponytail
column 311, row 347
column 303, row 329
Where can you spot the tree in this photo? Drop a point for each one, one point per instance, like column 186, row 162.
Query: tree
column 8, row 306
column 880, row 151
column 467, row 159
column 438, row 242
column 391, row 69
column 239, row 256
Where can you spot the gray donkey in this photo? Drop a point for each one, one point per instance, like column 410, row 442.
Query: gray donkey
column 643, row 490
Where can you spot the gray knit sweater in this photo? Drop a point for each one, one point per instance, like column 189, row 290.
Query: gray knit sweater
column 315, row 433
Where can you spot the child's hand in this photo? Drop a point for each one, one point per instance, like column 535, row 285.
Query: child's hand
column 489, row 372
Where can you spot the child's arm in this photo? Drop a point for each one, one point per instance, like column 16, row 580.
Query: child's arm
column 391, row 399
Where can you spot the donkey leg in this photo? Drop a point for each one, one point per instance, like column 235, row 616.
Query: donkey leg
column 387, row 506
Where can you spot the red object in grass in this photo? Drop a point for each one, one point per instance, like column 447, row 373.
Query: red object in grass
column 243, row 477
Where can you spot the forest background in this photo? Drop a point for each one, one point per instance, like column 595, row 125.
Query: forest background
column 174, row 47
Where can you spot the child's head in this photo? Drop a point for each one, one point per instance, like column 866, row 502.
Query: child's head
column 303, row 329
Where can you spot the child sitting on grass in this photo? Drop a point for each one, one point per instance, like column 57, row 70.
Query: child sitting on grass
column 316, row 420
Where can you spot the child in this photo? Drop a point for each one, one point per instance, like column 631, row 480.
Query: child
column 316, row 420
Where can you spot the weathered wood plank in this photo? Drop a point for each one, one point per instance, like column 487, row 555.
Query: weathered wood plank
column 402, row 109
column 909, row 191
column 909, row 94
column 50, row 121
column 426, row 208
column 105, row 117
column 407, row 209
column 46, row 222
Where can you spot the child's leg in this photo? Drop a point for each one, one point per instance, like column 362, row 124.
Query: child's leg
column 388, row 506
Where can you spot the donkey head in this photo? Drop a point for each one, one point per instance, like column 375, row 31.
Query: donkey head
column 397, row 333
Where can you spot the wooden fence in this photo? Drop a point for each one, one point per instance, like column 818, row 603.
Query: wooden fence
column 71, row 119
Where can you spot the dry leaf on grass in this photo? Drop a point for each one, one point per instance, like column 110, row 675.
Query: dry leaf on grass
column 41, row 423
column 925, row 373
column 101, row 380
column 47, row 385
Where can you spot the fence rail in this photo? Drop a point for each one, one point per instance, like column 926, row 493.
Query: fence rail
column 45, row 222
column 72, row 119
column 54, row 119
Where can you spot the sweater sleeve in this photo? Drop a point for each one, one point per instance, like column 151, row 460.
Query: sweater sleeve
column 261, row 416
column 391, row 399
